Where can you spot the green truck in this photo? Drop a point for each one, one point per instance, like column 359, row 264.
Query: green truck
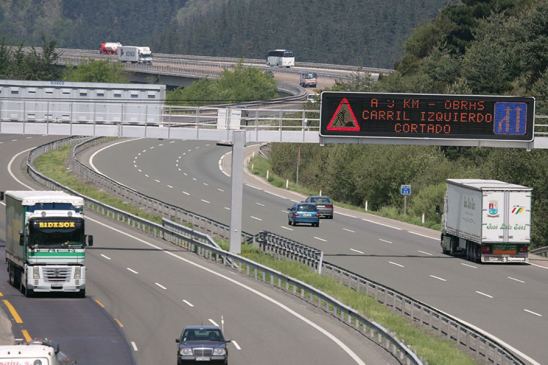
column 46, row 241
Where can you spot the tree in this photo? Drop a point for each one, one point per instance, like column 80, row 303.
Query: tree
column 97, row 71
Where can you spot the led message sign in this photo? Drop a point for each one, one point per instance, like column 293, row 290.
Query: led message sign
column 427, row 116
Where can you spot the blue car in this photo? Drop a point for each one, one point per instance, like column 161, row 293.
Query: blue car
column 303, row 213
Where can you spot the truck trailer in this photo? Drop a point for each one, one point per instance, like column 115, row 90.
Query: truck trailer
column 46, row 241
column 487, row 221
column 135, row 54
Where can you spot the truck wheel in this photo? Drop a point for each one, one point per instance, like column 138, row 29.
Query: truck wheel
column 82, row 293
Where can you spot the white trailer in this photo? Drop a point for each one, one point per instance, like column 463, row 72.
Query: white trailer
column 487, row 220
column 135, row 54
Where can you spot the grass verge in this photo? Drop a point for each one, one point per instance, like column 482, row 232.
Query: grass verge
column 430, row 348
column 258, row 165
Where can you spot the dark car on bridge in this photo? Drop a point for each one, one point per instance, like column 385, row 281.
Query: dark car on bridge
column 303, row 213
column 202, row 344
column 324, row 205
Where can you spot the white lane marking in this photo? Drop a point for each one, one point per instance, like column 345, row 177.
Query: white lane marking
column 357, row 251
column 160, row 145
column 205, row 184
column 184, row 173
column 468, row 265
column 179, row 169
column 257, row 188
column 134, row 346
column 171, row 142
column 484, row 294
column 92, row 157
column 320, row 329
column 542, row 267
column 256, row 218
column 131, row 270
column 385, row 241
column 213, row 322
column 236, row 345
column 14, row 140
column 221, row 190
column 346, row 215
column 535, row 313
column 349, row 230
column 423, row 235
column 519, row 281
column 395, row 263
column 194, row 179
column 189, row 150
column 160, row 286
column 286, row 228
column 139, row 154
column 29, row 137
column 146, row 175
column 106, row 257
column 221, row 164
column 188, row 303
column 158, row 181
column 169, row 186
column 139, row 170
column 260, row 204
column 381, row 224
column 424, row 252
column 320, row 239
column 206, row 201
column 144, row 150
column 227, row 208
column 184, row 192
column 283, row 211
column 151, row 148
column 437, row 277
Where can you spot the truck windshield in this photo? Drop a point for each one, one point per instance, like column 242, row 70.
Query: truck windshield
column 53, row 206
column 56, row 232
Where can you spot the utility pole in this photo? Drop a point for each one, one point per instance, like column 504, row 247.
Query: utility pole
column 238, row 142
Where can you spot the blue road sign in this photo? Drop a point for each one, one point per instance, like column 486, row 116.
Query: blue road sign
column 405, row 190
column 510, row 118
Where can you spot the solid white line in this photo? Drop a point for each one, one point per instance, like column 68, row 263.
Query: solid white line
column 437, row 277
column 347, row 215
column 221, row 190
column 535, row 313
column 485, row 295
column 133, row 271
column 106, row 257
column 254, row 187
column 468, row 265
column 423, row 235
column 92, row 157
column 256, row 218
column 287, row 228
column 385, row 241
column 381, row 224
column 206, row 201
column 169, row 186
column 424, row 252
column 542, row 267
column 188, row 303
column 358, row 251
column 320, row 239
column 213, row 322
column 160, row 286
column 260, row 204
column 395, row 263
column 134, row 346
column 184, row 192
column 221, row 163
column 236, row 345
column 349, row 230
column 519, row 281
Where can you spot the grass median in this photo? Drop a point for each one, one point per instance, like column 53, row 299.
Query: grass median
column 430, row 348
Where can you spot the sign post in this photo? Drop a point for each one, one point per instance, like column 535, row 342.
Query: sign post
column 460, row 120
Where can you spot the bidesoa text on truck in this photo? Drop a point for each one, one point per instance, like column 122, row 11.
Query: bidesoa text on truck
column 46, row 241
column 487, row 220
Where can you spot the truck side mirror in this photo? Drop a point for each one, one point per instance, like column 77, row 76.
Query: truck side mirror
column 1, row 196
column 90, row 240
column 21, row 238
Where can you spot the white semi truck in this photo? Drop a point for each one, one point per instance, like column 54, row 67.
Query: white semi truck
column 134, row 54
column 34, row 353
column 487, row 220
column 46, row 241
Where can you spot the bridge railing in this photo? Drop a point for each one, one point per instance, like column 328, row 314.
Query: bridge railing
column 370, row 329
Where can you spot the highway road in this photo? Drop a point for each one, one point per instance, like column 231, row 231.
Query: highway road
column 141, row 292
column 508, row 301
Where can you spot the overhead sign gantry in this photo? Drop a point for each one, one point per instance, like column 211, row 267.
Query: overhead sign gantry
column 463, row 120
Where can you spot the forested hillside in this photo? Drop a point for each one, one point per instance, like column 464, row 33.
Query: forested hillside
column 475, row 47
column 360, row 32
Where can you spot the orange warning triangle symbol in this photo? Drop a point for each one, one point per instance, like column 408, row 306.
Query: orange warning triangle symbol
column 344, row 118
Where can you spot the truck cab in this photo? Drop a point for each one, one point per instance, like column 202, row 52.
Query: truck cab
column 35, row 353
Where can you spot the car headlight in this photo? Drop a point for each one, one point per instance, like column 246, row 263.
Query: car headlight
column 77, row 272
column 219, row 351
column 36, row 273
column 185, row 351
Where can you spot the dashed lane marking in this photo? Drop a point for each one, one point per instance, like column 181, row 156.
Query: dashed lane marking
column 437, row 277
column 160, row 286
column 395, row 264
column 106, row 257
column 188, row 303
column 357, row 251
